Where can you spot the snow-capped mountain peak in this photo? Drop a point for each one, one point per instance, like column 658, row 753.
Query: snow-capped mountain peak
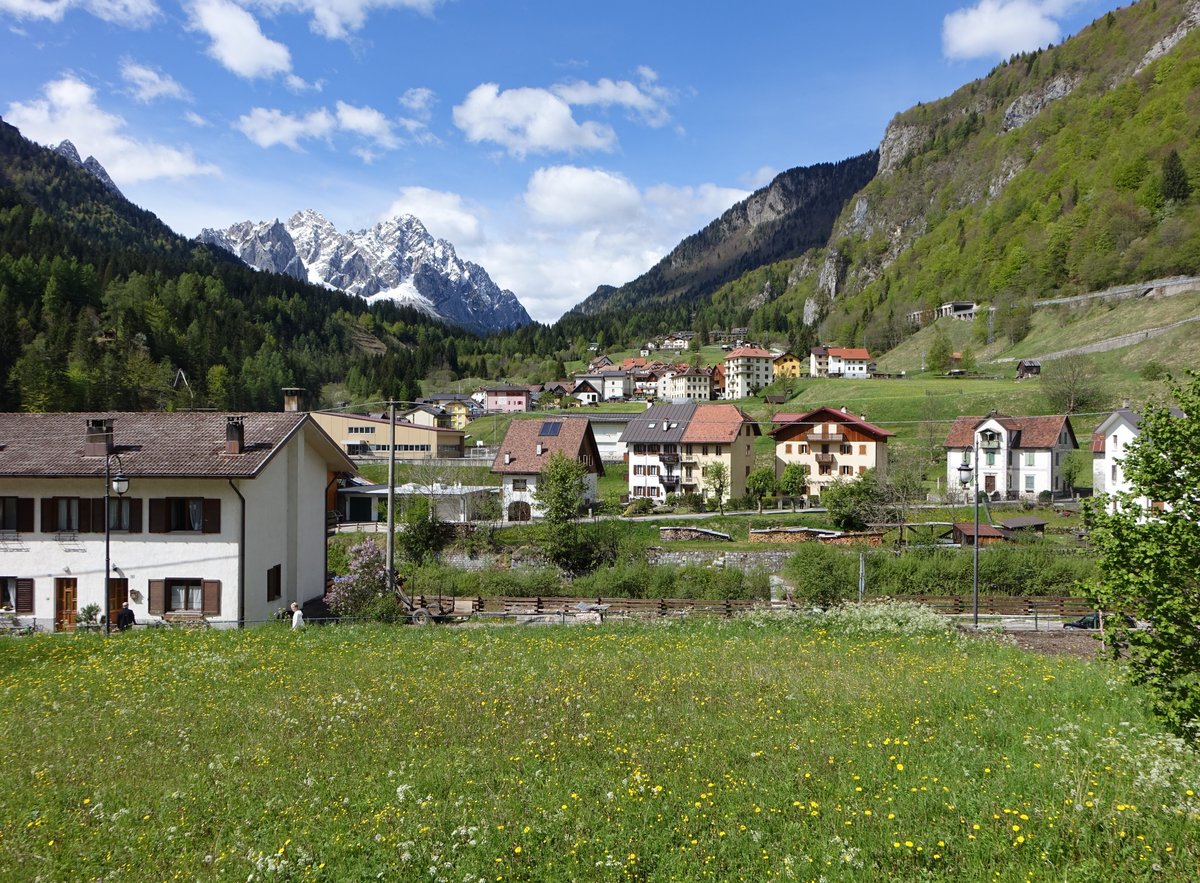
column 397, row 260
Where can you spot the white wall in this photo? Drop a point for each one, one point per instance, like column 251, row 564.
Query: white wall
column 138, row 557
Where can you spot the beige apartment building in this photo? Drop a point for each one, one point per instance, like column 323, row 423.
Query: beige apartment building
column 832, row 443
column 364, row 435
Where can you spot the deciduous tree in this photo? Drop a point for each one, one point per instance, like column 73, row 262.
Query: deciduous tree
column 1151, row 558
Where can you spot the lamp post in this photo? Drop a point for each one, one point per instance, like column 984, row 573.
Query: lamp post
column 966, row 472
column 117, row 484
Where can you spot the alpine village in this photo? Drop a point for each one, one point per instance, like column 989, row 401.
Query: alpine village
column 856, row 539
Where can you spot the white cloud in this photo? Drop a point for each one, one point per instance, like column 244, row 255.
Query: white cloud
column 131, row 13
column 583, row 227
column 196, row 120
column 419, row 100
column 149, row 84
column 445, row 215
column 369, row 123
column 527, row 120
column 760, row 177
column 238, row 43
column 69, row 111
column 1000, row 28
column 337, row 19
column 647, row 98
column 571, row 195
column 267, row 127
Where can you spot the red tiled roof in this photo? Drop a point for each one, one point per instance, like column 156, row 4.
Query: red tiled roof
column 749, row 352
column 829, row 415
column 716, row 423
column 152, row 444
column 573, row 437
column 843, row 352
column 1030, row 432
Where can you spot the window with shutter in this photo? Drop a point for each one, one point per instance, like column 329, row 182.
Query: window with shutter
column 157, row 602
column 275, row 582
column 16, row 514
column 211, row 589
column 24, row 599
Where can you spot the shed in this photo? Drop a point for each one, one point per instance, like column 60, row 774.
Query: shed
column 1028, row 368
column 964, row 534
column 1025, row 523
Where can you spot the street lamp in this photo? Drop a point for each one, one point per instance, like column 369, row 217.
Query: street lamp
column 966, row 472
column 117, row 484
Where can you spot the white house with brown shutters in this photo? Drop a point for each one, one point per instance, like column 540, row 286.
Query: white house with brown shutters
column 527, row 445
column 224, row 518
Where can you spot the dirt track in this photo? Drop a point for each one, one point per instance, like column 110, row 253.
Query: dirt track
column 1063, row 642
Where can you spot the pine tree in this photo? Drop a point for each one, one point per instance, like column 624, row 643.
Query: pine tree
column 1175, row 184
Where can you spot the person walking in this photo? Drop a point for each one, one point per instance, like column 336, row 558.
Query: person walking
column 125, row 618
column 297, row 616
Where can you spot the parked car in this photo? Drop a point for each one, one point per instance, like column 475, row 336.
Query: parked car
column 1091, row 621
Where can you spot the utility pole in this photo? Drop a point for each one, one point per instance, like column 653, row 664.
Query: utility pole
column 391, row 498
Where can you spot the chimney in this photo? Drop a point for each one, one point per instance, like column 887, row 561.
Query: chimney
column 1125, row 404
column 235, row 435
column 507, row 457
column 293, row 398
column 98, row 439
column 539, row 449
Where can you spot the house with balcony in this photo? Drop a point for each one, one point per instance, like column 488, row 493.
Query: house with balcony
column 788, row 365
column 747, row 370
column 527, row 445
column 669, row 447
column 1018, row 457
column 833, row 443
column 221, row 517
column 615, row 384
column 462, row 409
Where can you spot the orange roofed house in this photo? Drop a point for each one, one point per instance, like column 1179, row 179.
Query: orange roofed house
column 839, row 361
column 832, row 443
column 527, row 446
column 670, row 446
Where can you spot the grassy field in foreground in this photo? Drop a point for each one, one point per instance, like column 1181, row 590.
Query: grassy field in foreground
column 756, row 749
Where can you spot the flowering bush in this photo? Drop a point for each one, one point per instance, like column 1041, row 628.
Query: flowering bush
column 363, row 592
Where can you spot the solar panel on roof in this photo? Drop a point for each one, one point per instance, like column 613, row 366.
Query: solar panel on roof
column 550, row 429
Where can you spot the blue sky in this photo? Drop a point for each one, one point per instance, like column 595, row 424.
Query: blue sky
column 560, row 145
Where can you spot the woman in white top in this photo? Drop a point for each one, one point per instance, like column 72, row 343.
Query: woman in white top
column 297, row 616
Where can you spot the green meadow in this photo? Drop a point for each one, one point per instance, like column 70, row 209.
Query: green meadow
column 859, row 746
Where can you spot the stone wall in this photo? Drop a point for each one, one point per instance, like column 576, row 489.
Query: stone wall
column 747, row 562
column 690, row 533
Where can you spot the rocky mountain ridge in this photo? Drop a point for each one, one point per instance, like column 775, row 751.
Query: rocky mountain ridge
column 91, row 165
column 395, row 260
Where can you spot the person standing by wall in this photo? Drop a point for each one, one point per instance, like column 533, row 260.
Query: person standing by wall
column 297, row 616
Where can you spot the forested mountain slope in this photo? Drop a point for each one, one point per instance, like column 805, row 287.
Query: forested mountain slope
column 101, row 306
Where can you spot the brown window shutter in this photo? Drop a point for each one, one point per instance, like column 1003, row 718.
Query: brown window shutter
column 49, row 516
column 99, row 514
column 135, row 515
column 24, row 602
column 158, row 516
column 210, row 595
column 85, row 516
column 25, row 514
column 212, row 516
column 157, row 604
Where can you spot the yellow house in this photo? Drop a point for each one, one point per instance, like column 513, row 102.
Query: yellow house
column 459, row 414
column 787, row 365
column 362, row 435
